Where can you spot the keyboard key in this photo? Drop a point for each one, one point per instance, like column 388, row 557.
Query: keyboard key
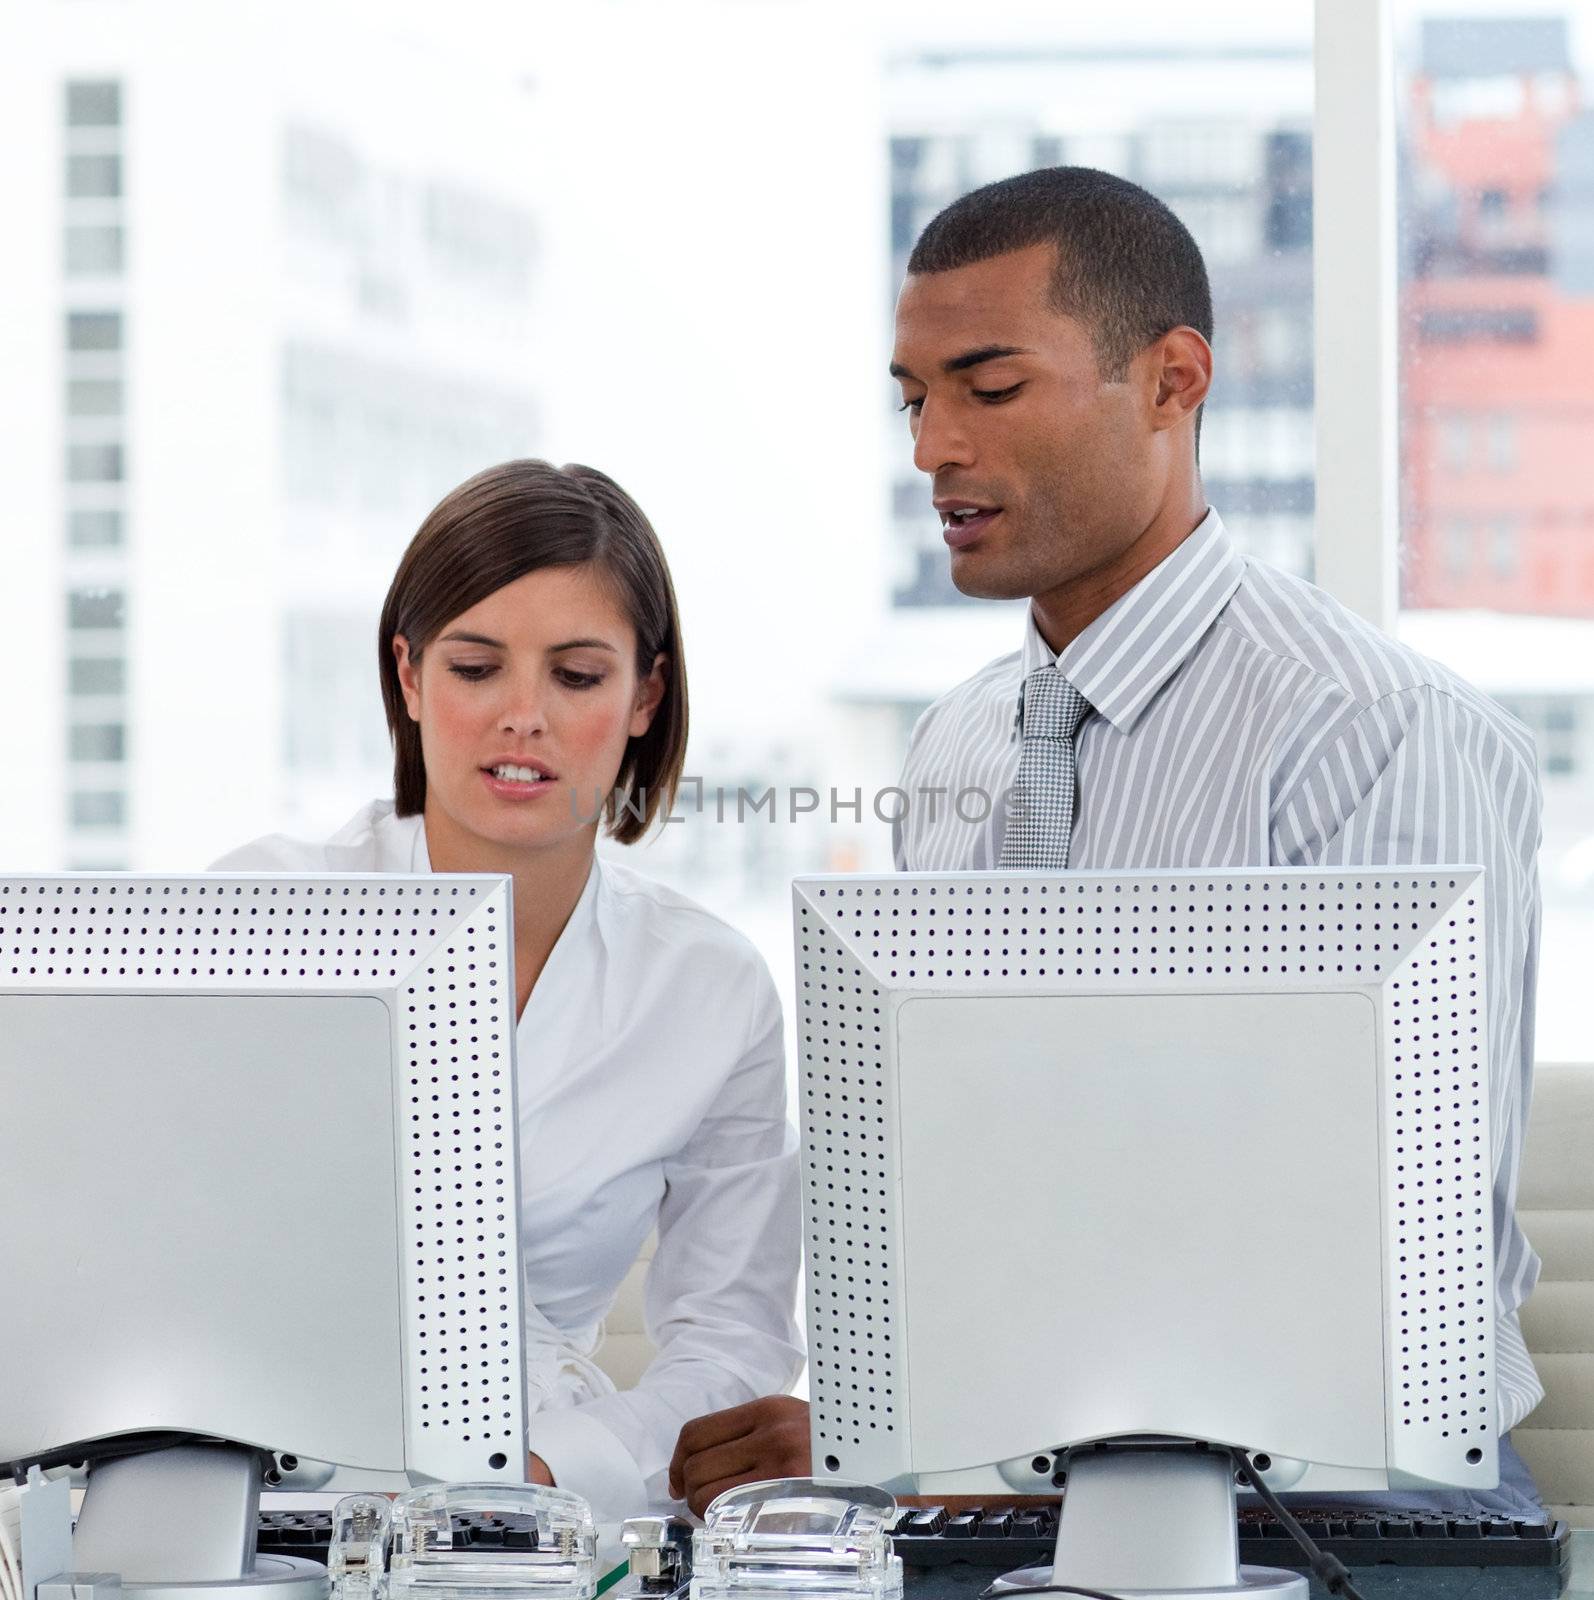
column 965, row 1525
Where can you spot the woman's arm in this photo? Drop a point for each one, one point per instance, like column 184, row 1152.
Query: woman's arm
column 720, row 1295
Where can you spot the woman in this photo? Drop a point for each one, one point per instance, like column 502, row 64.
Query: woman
column 531, row 668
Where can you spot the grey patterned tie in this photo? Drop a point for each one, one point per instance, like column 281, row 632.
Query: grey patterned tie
column 1041, row 811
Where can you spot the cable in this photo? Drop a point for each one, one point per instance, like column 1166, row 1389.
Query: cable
column 87, row 1452
column 1329, row 1570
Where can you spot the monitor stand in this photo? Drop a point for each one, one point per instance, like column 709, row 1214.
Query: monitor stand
column 179, row 1524
column 1156, row 1522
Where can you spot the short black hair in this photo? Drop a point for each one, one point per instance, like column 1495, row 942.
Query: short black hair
column 1127, row 267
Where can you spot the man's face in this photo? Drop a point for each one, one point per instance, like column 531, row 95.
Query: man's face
column 1043, row 471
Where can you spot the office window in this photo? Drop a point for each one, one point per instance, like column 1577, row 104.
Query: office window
column 93, row 250
column 94, row 397
column 94, row 330
column 1283, row 339
column 1454, row 432
column 332, row 711
column 1504, row 547
column 98, row 741
column 1501, row 442
column 95, row 609
column 96, row 675
column 94, row 463
column 1503, row 325
column 1289, row 182
column 1457, row 538
column 98, row 529
column 1556, row 722
column 93, row 105
column 93, row 177
column 1495, row 173
column 98, row 808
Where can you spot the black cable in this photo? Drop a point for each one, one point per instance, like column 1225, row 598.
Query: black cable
column 1329, row 1570
column 86, row 1452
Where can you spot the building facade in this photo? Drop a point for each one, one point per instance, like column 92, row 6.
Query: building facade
column 280, row 328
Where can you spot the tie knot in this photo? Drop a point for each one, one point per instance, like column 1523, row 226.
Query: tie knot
column 1053, row 707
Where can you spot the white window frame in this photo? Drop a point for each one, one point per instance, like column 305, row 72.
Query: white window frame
column 1355, row 287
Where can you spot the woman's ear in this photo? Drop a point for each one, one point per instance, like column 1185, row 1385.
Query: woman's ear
column 409, row 676
column 649, row 697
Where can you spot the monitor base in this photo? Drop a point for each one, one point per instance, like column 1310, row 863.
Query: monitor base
column 179, row 1524
column 1153, row 1518
column 1256, row 1583
column 274, row 1578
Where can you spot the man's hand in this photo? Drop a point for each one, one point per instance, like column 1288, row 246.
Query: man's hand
column 765, row 1438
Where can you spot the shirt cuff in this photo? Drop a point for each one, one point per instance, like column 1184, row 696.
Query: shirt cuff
column 587, row 1459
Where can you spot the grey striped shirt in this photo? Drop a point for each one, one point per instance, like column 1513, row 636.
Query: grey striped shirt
column 1242, row 718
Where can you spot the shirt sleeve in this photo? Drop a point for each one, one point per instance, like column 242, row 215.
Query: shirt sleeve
column 1422, row 777
column 720, row 1294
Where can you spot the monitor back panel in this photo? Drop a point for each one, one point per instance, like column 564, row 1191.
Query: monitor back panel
column 1192, row 1153
column 264, row 1132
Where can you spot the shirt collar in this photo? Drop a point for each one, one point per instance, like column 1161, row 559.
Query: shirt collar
column 1120, row 661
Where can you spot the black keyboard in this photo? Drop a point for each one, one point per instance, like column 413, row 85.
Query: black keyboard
column 1026, row 1536
column 309, row 1533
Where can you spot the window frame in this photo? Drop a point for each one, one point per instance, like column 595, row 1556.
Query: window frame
column 1355, row 288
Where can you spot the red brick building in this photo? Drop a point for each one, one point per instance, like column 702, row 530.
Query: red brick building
column 1497, row 311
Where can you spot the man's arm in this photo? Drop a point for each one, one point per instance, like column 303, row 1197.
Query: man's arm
column 1430, row 776
column 765, row 1438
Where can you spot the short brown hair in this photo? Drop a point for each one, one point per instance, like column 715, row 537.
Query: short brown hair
column 498, row 526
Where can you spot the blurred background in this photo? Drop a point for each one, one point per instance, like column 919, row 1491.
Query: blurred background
column 275, row 277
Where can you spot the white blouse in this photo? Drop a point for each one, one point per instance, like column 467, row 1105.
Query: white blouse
column 652, row 1094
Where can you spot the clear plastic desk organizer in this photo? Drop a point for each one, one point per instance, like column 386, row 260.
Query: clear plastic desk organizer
column 465, row 1541
column 796, row 1536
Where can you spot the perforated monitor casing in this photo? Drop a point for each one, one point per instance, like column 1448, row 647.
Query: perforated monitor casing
column 959, row 1188
column 315, row 1075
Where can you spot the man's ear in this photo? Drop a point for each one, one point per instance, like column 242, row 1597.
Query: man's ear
column 1180, row 363
column 649, row 697
column 409, row 676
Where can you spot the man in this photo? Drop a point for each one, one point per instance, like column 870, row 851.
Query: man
column 1173, row 704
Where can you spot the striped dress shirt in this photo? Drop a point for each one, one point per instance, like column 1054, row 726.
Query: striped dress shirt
column 1242, row 718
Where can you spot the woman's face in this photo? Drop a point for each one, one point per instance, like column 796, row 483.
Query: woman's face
column 525, row 703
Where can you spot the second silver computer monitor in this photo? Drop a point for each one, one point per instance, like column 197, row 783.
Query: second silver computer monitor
column 1199, row 1154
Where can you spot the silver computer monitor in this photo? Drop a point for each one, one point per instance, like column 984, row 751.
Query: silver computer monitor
column 1173, row 1156
column 258, row 1165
